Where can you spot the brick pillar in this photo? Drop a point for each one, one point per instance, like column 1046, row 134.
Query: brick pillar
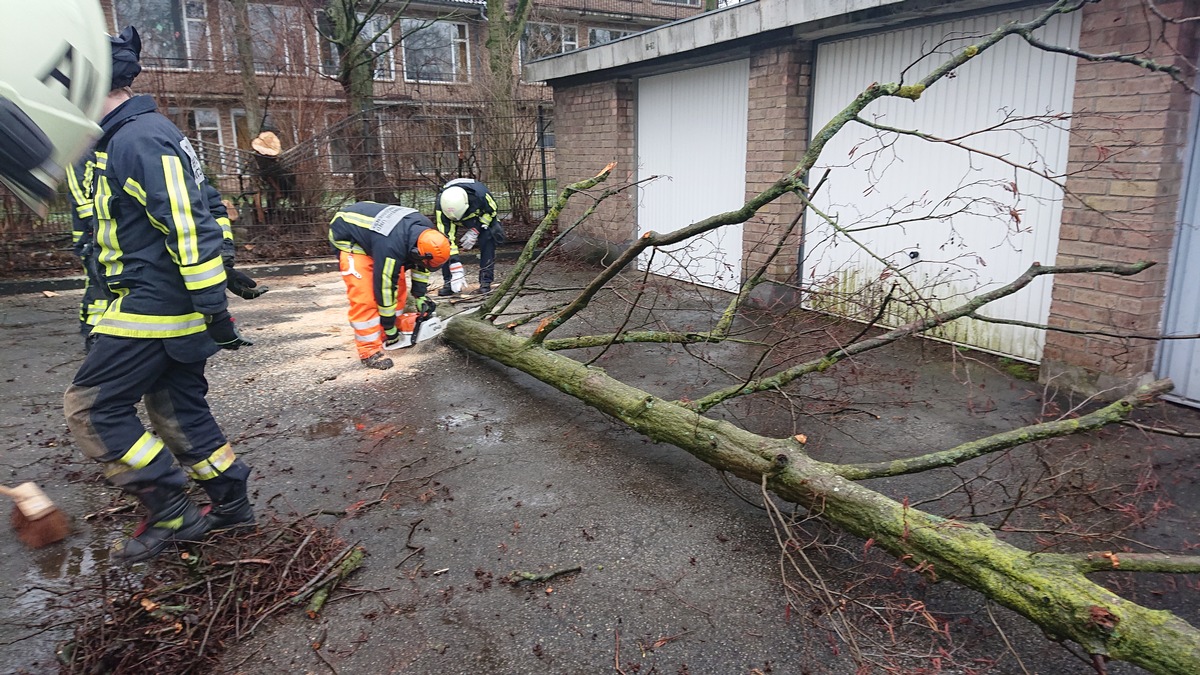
column 777, row 137
column 594, row 125
column 1124, row 169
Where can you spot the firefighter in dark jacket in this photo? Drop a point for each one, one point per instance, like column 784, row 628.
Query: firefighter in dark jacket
column 465, row 206
column 95, row 294
column 80, row 188
column 376, row 243
column 159, row 253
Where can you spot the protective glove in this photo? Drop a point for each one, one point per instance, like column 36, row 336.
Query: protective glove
column 391, row 336
column 224, row 333
column 425, row 306
column 468, row 240
column 242, row 285
column 458, row 278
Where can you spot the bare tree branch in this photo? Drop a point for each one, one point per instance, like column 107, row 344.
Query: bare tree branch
column 1114, row 412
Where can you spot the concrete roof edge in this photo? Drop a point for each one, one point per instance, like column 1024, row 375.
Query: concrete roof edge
column 701, row 30
column 735, row 23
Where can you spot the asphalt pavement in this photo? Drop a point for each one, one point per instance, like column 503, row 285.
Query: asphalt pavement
column 491, row 473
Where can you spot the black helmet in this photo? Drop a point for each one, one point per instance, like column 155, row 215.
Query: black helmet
column 126, row 52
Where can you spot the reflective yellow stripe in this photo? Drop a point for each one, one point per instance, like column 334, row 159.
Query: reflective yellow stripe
column 181, row 210
column 143, row 451
column 420, row 277
column 389, row 282
column 106, row 229
column 170, row 523
column 77, row 192
column 205, row 274
column 356, row 219
column 226, row 228
column 135, row 190
column 94, row 311
column 214, row 465
column 125, row 324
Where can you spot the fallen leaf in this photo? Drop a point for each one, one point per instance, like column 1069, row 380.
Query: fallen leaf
column 50, row 294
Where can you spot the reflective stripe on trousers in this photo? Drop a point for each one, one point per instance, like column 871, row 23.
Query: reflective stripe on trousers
column 101, row 413
column 358, row 271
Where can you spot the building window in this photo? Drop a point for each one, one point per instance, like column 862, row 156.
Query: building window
column 379, row 25
column 598, row 36
column 435, row 51
column 547, row 39
column 174, row 32
column 276, row 39
column 339, row 131
column 202, row 126
column 441, row 146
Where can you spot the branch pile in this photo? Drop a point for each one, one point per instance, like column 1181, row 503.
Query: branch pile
column 183, row 613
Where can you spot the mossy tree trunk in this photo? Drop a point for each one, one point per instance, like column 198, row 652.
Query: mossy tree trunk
column 1050, row 589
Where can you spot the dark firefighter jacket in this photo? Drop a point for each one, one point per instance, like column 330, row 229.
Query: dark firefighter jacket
column 481, row 207
column 81, row 189
column 387, row 234
column 159, row 245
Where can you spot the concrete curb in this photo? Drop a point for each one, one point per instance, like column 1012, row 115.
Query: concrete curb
column 283, row 269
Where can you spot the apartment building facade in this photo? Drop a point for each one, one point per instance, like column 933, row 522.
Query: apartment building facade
column 431, row 66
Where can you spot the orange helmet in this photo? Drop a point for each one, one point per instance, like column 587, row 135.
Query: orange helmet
column 432, row 250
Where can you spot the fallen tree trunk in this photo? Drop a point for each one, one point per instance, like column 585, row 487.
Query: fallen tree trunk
column 1051, row 590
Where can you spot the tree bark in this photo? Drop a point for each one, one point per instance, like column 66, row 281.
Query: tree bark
column 1050, row 590
column 245, row 56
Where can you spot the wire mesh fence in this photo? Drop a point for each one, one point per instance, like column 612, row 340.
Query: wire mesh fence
column 399, row 153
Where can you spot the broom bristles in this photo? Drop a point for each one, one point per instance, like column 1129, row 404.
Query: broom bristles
column 45, row 530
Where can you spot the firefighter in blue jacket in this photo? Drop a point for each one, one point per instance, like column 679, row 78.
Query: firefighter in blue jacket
column 376, row 243
column 80, row 186
column 466, row 206
column 159, row 253
column 95, row 294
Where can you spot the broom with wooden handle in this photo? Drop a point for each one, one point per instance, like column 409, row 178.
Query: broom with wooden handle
column 35, row 518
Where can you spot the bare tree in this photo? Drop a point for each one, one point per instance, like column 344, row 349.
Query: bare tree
column 516, row 327
column 506, row 133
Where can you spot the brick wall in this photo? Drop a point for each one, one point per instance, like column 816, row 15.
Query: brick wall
column 1125, row 169
column 777, row 136
column 594, row 125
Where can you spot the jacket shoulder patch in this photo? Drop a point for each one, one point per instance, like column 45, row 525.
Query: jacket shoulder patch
column 197, row 167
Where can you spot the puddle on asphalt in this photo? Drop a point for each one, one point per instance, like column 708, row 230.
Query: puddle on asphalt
column 68, row 561
column 332, row 428
column 489, row 431
column 53, row 575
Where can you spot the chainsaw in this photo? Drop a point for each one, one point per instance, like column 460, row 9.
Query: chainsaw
column 427, row 327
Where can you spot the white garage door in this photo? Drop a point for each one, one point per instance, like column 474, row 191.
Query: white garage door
column 1180, row 359
column 691, row 131
column 954, row 222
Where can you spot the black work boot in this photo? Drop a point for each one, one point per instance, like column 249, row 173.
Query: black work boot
column 230, row 506
column 377, row 361
column 173, row 518
column 445, row 291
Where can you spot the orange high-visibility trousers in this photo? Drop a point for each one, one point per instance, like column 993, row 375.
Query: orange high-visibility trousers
column 358, row 272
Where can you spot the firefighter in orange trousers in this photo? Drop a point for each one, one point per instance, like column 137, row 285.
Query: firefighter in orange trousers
column 376, row 244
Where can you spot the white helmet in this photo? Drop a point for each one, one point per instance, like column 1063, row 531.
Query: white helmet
column 55, row 65
column 454, row 202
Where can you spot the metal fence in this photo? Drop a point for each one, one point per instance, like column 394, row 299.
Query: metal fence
column 399, row 154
